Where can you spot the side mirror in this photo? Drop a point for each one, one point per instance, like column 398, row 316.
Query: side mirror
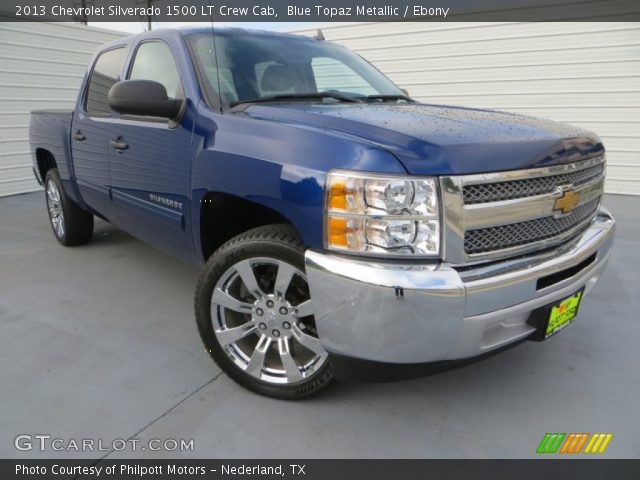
column 143, row 97
column 405, row 91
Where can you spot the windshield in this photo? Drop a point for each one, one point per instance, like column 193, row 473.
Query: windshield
column 254, row 66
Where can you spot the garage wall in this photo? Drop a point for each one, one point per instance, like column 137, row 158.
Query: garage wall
column 587, row 74
column 41, row 66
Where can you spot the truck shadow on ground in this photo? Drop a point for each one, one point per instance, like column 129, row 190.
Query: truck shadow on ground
column 440, row 374
column 105, row 233
column 163, row 267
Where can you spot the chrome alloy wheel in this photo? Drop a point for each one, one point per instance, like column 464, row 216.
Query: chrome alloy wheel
column 54, row 205
column 263, row 320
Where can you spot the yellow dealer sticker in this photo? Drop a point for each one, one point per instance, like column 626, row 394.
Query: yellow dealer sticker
column 563, row 314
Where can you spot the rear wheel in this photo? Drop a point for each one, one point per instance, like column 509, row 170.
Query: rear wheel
column 71, row 225
column 255, row 315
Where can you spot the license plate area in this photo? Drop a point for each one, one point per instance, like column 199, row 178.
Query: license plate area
column 552, row 318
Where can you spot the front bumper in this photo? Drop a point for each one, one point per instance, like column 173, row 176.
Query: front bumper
column 414, row 313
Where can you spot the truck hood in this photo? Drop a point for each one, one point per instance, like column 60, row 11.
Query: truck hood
column 441, row 140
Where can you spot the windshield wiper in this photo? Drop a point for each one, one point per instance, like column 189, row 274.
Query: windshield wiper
column 390, row 97
column 298, row 96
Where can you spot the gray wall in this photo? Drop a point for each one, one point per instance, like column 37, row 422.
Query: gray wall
column 587, row 74
column 41, row 66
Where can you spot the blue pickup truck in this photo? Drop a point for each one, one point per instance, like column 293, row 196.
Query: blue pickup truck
column 344, row 230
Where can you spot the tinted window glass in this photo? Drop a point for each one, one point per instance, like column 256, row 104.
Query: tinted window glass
column 154, row 61
column 105, row 73
column 331, row 74
column 224, row 81
column 272, row 64
column 218, row 81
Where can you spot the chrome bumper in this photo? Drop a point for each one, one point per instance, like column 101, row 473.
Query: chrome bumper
column 416, row 312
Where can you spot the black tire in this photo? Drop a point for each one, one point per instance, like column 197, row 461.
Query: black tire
column 281, row 243
column 77, row 224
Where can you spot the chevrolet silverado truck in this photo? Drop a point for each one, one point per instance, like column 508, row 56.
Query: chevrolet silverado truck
column 344, row 230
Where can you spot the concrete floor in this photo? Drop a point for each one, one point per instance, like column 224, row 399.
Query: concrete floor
column 100, row 342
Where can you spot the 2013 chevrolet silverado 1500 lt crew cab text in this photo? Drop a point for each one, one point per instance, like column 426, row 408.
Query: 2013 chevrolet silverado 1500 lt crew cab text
column 345, row 230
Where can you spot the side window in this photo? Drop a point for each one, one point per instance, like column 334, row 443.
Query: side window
column 259, row 69
column 331, row 74
column 204, row 51
column 274, row 78
column 154, row 61
column 226, row 82
column 105, row 74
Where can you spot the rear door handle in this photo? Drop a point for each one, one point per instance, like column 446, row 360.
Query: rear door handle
column 119, row 144
column 79, row 136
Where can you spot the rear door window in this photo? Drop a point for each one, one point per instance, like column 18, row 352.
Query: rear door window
column 105, row 74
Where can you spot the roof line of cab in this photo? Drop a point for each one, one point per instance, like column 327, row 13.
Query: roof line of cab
column 168, row 33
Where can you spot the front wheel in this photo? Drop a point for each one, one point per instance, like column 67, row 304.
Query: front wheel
column 255, row 315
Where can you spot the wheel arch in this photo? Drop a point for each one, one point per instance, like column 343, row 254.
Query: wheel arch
column 215, row 210
column 45, row 161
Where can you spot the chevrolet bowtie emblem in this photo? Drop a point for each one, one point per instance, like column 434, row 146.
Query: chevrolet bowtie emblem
column 567, row 201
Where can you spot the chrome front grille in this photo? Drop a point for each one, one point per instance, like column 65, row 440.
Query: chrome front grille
column 499, row 215
column 528, row 187
column 522, row 233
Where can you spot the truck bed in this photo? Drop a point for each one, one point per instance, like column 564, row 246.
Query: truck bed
column 52, row 111
column 50, row 130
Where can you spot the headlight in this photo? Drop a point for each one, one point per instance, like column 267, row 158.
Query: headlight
column 382, row 215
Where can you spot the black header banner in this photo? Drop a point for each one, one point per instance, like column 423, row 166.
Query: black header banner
column 177, row 469
column 319, row 10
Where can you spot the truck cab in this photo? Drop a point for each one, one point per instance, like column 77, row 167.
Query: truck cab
column 344, row 229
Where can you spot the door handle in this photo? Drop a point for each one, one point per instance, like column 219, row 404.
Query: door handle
column 119, row 144
column 79, row 136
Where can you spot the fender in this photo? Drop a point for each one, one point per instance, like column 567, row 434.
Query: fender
column 275, row 164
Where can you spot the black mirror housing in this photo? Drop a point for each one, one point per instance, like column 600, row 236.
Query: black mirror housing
column 145, row 98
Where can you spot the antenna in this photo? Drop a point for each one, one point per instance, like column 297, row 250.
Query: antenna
column 319, row 35
column 149, row 17
column 83, row 17
column 147, row 5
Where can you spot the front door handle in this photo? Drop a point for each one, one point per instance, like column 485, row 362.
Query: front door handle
column 119, row 144
column 79, row 136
